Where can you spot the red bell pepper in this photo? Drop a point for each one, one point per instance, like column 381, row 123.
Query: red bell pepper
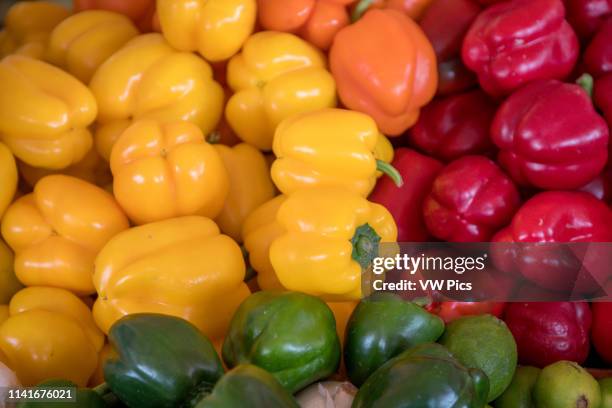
column 516, row 42
column 546, row 332
column 405, row 202
column 600, row 187
column 601, row 332
column 597, row 57
column 450, row 311
column 470, row 200
column 445, row 23
column 602, row 96
column 455, row 126
column 587, row 15
column 550, row 136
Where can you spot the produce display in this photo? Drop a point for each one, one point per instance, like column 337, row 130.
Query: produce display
column 224, row 204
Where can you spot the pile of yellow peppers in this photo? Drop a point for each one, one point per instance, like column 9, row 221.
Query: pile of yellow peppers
column 117, row 197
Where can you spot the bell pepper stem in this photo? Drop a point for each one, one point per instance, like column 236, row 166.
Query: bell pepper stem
column 586, row 82
column 213, row 137
column 365, row 245
column 104, row 391
column 390, row 171
column 360, row 9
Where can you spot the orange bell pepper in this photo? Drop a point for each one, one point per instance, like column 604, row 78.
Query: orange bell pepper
column 139, row 11
column 385, row 66
column 412, row 8
column 316, row 21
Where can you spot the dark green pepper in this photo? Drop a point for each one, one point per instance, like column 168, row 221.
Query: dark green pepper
column 163, row 361
column 290, row 334
column 84, row 397
column 424, row 376
column 248, row 383
column 518, row 393
column 381, row 327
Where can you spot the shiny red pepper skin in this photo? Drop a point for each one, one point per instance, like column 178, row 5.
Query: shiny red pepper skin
column 602, row 96
column 597, row 57
column 546, row 332
column 445, row 23
column 600, row 187
column 587, row 15
column 455, row 126
column 550, row 136
column 519, row 41
column 602, row 329
column 450, row 311
column 405, row 203
column 470, row 200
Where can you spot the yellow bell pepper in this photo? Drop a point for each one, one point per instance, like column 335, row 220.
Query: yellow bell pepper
column 181, row 267
column 342, row 312
column 148, row 79
column 250, row 186
column 27, row 25
column 167, row 170
column 259, row 230
column 57, row 230
column 8, row 178
column 44, row 113
column 41, row 345
column 276, row 75
column 330, row 235
column 91, row 168
column 83, row 41
column 214, row 28
column 330, row 147
column 106, row 353
column 4, row 314
column 9, row 284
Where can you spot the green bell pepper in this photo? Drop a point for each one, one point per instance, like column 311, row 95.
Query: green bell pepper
column 381, row 327
column 424, row 376
column 163, row 361
column 85, row 398
column 248, row 383
column 290, row 334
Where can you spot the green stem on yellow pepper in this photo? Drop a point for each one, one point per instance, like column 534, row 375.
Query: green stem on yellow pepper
column 365, row 245
column 390, row 171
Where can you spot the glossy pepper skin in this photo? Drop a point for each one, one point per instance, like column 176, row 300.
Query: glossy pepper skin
column 445, row 23
column 382, row 326
column 148, row 79
column 27, row 26
column 586, row 16
column 8, row 177
column 597, row 57
column 277, row 75
column 259, row 230
column 546, row 332
column 167, row 170
column 216, row 29
column 455, row 126
column 248, row 383
column 9, row 284
column 516, row 42
column 317, row 21
column 185, row 267
column 57, row 230
column 422, row 376
column 550, row 136
column 470, row 200
column 162, row 362
column 329, row 235
column 326, row 148
column 385, row 67
column 290, row 334
column 250, row 186
column 139, row 11
column 50, row 334
column 601, row 330
column 405, row 203
column 412, row 8
column 450, row 311
column 44, row 113
column 82, row 42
